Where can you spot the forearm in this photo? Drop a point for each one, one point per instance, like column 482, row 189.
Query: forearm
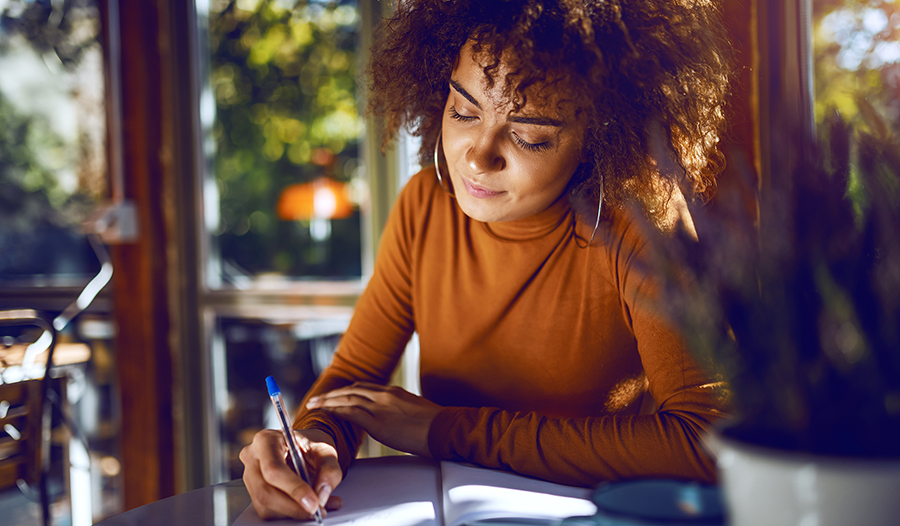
column 365, row 354
column 577, row 451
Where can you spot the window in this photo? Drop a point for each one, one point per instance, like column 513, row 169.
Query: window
column 52, row 140
column 287, row 223
column 53, row 179
column 856, row 66
column 856, row 55
column 286, row 182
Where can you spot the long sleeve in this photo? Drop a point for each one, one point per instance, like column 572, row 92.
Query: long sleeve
column 585, row 450
column 588, row 450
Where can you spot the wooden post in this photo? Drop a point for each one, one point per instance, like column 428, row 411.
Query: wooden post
column 740, row 144
column 140, row 279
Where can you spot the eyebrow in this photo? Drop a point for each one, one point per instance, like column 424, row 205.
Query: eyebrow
column 462, row 91
column 538, row 121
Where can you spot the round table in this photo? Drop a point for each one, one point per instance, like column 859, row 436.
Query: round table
column 217, row 505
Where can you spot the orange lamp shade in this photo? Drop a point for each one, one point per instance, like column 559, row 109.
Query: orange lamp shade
column 323, row 198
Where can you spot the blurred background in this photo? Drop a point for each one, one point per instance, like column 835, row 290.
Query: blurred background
column 217, row 152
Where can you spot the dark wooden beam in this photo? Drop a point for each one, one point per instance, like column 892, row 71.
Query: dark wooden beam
column 740, row 144
column 785, row 95
column 140, row 280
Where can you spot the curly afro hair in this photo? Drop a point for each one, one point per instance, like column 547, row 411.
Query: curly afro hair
column 648, row 79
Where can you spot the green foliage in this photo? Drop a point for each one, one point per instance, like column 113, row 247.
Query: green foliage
column 856, row 54
column 284, row 81
column 31, row 153
column 65, row 30
column 29, row 194
column 803, row 316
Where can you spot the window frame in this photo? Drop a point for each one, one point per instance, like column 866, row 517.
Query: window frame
column 295, row 302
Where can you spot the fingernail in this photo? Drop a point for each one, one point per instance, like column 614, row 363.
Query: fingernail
column 308, row 505
column 324, row 493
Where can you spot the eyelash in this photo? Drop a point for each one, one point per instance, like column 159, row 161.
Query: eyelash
column 455, row 115
column 539, row 147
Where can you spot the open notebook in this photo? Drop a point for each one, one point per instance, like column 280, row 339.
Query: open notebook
column 412, row 491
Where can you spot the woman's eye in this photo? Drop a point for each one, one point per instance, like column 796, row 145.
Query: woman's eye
column 531, row 147
column 463, row 118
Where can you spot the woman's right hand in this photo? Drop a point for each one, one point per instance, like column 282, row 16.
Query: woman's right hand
column 277, row 491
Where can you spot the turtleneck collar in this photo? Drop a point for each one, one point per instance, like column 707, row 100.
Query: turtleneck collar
column 532, row 227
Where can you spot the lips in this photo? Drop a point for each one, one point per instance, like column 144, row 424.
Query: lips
column 479, row 191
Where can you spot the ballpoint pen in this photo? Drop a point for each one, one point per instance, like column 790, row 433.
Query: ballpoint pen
column 296, row 454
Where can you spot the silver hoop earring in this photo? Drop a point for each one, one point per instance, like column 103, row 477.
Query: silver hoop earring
column 599, row 208
column 597, row 222
column 437, row 166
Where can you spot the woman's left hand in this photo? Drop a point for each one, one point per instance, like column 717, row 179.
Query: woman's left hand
column 392, row 416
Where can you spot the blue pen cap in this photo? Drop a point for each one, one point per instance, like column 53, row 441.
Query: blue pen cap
column 273, row 387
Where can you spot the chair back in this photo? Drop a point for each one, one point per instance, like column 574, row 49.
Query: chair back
column 22, row 424
column 20, row 433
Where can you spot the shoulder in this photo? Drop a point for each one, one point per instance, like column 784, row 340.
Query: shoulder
column 420, row 202
column 636, row 248
column 629, row 239
column 421, row 185
column 631, row 230
column 422, row 196
column 420, row 190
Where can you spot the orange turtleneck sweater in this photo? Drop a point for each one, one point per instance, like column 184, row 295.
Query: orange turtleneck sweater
column 541, row 352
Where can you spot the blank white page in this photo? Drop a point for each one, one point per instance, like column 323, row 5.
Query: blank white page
column 472, row 493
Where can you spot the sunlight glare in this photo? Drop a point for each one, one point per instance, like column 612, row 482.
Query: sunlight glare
column 486, row 502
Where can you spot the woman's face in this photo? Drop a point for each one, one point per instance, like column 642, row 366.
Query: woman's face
column 505, row 166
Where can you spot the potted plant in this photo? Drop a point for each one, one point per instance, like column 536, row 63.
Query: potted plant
column 800, row 315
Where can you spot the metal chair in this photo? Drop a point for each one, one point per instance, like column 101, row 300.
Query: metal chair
column 25, row 419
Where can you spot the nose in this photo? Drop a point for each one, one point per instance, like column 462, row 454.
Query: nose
column 484, row 155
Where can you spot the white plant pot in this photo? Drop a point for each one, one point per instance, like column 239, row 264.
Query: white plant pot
column 771, row 487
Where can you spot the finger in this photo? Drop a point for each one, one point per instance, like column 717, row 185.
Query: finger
column 334, row 503
column 272, row 503
column 275, row 472
column 355, row 415
column 271, row 460
column 328, row 476
column 343, row 394
column 347, row 400
column 290, row 483
column 365, row 389
column 371, row 386
column 267, row 456
column 383, row 394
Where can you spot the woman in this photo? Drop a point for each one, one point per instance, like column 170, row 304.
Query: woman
column 516, row 259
